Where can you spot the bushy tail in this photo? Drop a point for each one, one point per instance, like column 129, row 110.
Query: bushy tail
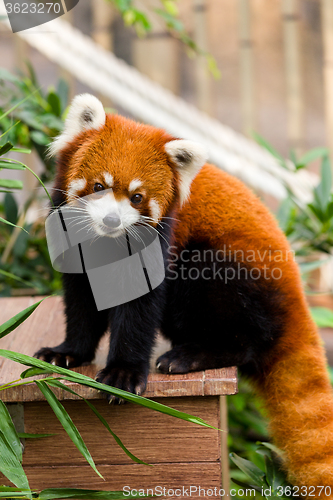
column 298, row 397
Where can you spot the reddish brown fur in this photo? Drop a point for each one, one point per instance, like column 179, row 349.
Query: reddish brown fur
column 125, row 149
column 296, row 389
column 223, row 212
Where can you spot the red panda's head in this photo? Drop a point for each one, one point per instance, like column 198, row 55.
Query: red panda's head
column 142, row 170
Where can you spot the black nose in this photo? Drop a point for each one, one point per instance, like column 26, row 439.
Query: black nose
column 112, row 221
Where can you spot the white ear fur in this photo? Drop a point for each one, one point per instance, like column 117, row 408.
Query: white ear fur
column 86, row 112
column 188, row 157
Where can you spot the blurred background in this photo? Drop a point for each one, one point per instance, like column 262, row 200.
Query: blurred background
column 270, row 56
column 253, row 79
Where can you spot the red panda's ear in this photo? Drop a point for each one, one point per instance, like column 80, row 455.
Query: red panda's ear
column 188, row 157
column 86, row 112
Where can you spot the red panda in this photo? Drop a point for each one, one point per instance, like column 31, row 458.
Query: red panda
column 232, row 294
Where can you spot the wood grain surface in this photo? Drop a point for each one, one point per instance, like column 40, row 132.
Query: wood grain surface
column 151, row 436
column 46, row 327
column 171, row 476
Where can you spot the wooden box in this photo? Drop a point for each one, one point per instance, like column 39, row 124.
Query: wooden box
column 183, row 455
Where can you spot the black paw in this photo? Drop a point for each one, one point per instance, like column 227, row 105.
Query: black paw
column 183, row 359
column 58, row 358
column 130, row 379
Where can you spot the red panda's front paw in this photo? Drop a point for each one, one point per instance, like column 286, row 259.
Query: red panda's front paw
column 51, row 355
column 130, row 379
column 185, row 358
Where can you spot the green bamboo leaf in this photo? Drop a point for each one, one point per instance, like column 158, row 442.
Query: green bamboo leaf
column 251, row 470
column 323, row 190
column 270, row 470
column 7, row 76
column 37, row 177
column 18, row 104
column 55, row 103
column 260, row 140
column 40, row 137
column 16, row 278
column 11, row 467
column 307, row 267
column 16, row 320
column 11, row 208
column 32, row 372
column 5, row 148
column 9, row 129
column 311, row 155
column 23, row 494
column 78, row 378
column 8, row 430
column 59, row 493
column 322, row 316
column 11, row 165
column 245, row 485
column 58, row 384
column 67, row 423
column 116, row 438
column 11, row 183
column 10, row 488
column 22, row 150
column 133, row 398
column 26, row 435
column 272, row 447
column 84, row 380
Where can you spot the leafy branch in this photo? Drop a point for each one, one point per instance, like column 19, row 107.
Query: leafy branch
column 169, row 13
column 10, row 447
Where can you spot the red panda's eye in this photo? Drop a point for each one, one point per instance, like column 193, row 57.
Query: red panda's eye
column 98, row 187
column 136, row 198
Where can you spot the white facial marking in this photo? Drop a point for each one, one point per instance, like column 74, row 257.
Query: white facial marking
column 155, row 210
column 135, row 184
column 105, row 204
column 75, row 187
column 108, row 179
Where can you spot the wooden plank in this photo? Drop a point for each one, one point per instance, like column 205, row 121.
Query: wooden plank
column 169, row 476
column 139, row 428
column 225, row 470
column 46, row 326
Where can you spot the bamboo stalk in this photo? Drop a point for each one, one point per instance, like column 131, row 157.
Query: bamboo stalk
column 327, row 30
column 246, row 60
column 293, row 71
column 203, row 79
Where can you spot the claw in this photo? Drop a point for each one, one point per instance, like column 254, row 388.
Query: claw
column 158, row 366
column 170, row 367
column 138, row 390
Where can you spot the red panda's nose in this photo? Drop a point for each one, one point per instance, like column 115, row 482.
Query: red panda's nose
column 112, row 221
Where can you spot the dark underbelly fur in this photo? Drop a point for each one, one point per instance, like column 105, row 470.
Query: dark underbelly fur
column 211, row 323
column 232, row 321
